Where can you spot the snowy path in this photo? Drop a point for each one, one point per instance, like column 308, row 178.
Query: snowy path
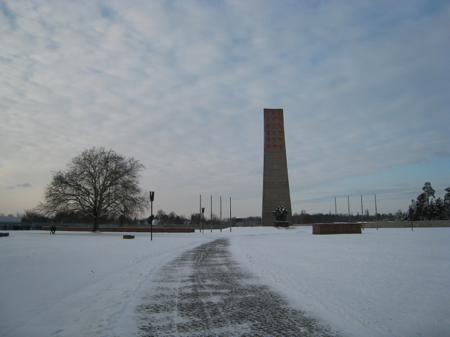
column 205, row 293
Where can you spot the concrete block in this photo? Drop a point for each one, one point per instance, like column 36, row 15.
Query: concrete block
column 337, row 228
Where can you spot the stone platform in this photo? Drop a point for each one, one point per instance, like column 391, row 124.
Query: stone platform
column 336, row 228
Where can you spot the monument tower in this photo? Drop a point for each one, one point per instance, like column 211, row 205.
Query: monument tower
column 276, row 183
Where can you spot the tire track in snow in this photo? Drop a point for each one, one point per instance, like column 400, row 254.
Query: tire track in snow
column 205, row 293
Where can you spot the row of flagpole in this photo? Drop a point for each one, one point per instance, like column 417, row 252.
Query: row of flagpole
column 202, row 211
column 362, row 205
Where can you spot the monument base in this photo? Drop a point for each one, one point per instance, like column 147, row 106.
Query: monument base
column 281, row 224
column 336, row 228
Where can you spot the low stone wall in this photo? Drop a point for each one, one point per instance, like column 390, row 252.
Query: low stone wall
column 397, row 224
column 407, row 224
column 102, row 228
column 127, row 229
column 336, row 228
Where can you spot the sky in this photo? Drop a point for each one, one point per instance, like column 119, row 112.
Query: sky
column 181, row 86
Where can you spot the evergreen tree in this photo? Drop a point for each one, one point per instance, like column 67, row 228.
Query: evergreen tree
column 447, row 202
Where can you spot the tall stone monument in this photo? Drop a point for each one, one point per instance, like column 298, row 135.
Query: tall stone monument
column 276, row 194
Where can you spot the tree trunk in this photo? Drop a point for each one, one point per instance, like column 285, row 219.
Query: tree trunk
column 95, row 228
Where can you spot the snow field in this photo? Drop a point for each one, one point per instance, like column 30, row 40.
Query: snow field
column 390, row 282
column 79, row 284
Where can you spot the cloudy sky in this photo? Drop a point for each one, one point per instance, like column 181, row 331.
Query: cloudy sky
column 181, row 86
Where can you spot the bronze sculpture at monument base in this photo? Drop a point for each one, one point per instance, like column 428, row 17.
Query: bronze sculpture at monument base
column 280, row 213
column 281, row 223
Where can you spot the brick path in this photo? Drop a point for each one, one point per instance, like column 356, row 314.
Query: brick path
column 205, row 293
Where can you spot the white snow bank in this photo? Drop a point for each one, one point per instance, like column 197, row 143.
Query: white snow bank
column 79, row 284
column 390, row 282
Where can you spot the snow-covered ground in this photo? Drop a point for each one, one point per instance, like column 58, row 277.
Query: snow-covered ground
column 391, row 282
column 79, row 284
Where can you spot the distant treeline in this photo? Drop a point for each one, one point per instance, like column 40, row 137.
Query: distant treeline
column 161, row 218
column 426, row 207
column 429, row 207
column 171, row 218
column 32, row 216
column 306, row 218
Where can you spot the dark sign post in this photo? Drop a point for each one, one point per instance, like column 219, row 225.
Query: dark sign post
column 150, row 219
column 201, row 216
column 231, row 223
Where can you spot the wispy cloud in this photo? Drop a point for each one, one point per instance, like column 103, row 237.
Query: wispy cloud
column 8, row 14
column 182, row 86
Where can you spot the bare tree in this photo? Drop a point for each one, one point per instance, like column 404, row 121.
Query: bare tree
column 97, row 183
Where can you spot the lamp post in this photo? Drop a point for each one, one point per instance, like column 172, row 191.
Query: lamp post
column 201, row 216
column 348, row 205
column 150, row 219
column 211, row 216
column 231, row 223
column 376, row 209
column 220, row 213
